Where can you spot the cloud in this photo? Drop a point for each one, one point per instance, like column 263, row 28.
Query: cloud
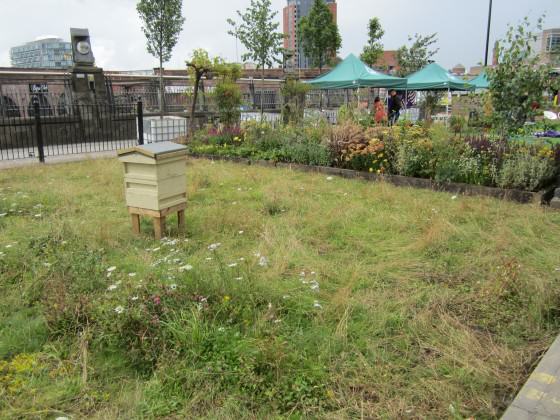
column 118, row 42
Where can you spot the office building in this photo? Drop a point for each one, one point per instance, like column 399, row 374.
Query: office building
column 46, row 53
column 547, row 47
column 293, row 13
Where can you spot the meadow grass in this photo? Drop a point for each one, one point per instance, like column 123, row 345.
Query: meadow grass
column 291, row 295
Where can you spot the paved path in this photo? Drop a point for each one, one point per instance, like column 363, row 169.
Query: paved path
column 56, row 150
column 51, row 160
column 539, row 399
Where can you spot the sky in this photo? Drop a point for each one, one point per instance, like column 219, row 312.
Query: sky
column 119, row 44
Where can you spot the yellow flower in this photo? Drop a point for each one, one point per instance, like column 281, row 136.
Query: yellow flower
column 371, row 169
column 226, row 299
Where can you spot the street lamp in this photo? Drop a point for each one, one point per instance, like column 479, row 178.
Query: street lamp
column 488, row 34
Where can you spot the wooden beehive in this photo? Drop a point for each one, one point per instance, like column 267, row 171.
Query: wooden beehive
column 154, row 175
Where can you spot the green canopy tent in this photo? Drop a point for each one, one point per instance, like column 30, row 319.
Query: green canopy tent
column 354, row 73
column 434, row 77
column 481, row 81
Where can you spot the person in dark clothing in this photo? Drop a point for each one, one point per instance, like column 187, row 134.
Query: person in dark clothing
column 395, row 106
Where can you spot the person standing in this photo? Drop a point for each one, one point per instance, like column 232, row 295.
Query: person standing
column 395, row 106
column 379, row 111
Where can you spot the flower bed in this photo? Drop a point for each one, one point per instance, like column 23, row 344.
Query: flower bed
column 412, row 151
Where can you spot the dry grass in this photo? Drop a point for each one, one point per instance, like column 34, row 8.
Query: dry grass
column 431, row 307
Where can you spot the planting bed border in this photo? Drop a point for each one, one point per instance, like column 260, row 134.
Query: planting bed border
column 519, row 196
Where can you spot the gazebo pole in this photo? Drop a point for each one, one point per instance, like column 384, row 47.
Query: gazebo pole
column 448, row 101
column 406, row 102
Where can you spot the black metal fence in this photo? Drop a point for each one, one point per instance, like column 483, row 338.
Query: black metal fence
column 41, row 134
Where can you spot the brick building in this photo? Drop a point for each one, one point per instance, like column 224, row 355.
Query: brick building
column 293, row 12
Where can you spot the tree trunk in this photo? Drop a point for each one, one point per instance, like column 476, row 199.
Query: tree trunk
column 195, row 97
column 160, row 86
column 262, row 93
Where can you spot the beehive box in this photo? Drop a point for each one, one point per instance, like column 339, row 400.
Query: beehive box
column 154, row 175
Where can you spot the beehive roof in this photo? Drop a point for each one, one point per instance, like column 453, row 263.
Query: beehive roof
column 154, row 150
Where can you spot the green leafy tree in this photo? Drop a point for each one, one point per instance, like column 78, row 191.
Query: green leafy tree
column 227, row 93
column 418, row 55
column 162, row 22
column 258, row 32
column 374, row 48
column 518, row 81
column 319, row 35
column 199, row 66
column 293, row 94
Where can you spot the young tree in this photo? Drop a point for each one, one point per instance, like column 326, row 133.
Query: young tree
column 518, row 81
column 227, row 93
column 418, row 55
column 259, row 34
column 162, row 22
column 374, row 48
column 319, row 35
column 199, row 66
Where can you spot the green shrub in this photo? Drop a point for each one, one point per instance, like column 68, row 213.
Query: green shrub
column 293, row 108
column 526, row 171
column 228, row 99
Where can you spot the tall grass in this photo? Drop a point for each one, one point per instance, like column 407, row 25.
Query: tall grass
column 326, row 298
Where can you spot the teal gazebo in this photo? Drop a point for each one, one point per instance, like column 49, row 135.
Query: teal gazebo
column 353, row 73
column 481, row 81
column 435, row 77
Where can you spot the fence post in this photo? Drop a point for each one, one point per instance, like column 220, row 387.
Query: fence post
column 39, row 131
column 140, row 116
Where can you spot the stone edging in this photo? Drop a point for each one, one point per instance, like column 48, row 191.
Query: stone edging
column 518, row 196
column 540, row 396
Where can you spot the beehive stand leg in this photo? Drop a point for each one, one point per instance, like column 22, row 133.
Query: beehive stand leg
column 159, row 227
column 135, row 223
column 181, row 220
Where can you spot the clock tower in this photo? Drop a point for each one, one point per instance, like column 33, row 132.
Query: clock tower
column 88, row 81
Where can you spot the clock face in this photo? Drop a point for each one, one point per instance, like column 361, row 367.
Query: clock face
column 83, row 47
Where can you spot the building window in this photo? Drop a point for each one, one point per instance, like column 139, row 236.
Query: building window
column 553, row 43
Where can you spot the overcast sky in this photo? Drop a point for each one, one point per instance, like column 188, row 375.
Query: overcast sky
column 118, row 43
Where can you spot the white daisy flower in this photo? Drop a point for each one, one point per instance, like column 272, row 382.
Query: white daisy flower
column 317, row 305
column 112, row 287
column 329, row 178
column 111, row 269
column 186, row 267
column 232, row 265
column 213, row 247
column 131, row 274
column 119, row 309
column 263, row 261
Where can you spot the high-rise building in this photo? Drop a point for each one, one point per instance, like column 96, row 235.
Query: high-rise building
column 293, row 12
column 47, row 53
